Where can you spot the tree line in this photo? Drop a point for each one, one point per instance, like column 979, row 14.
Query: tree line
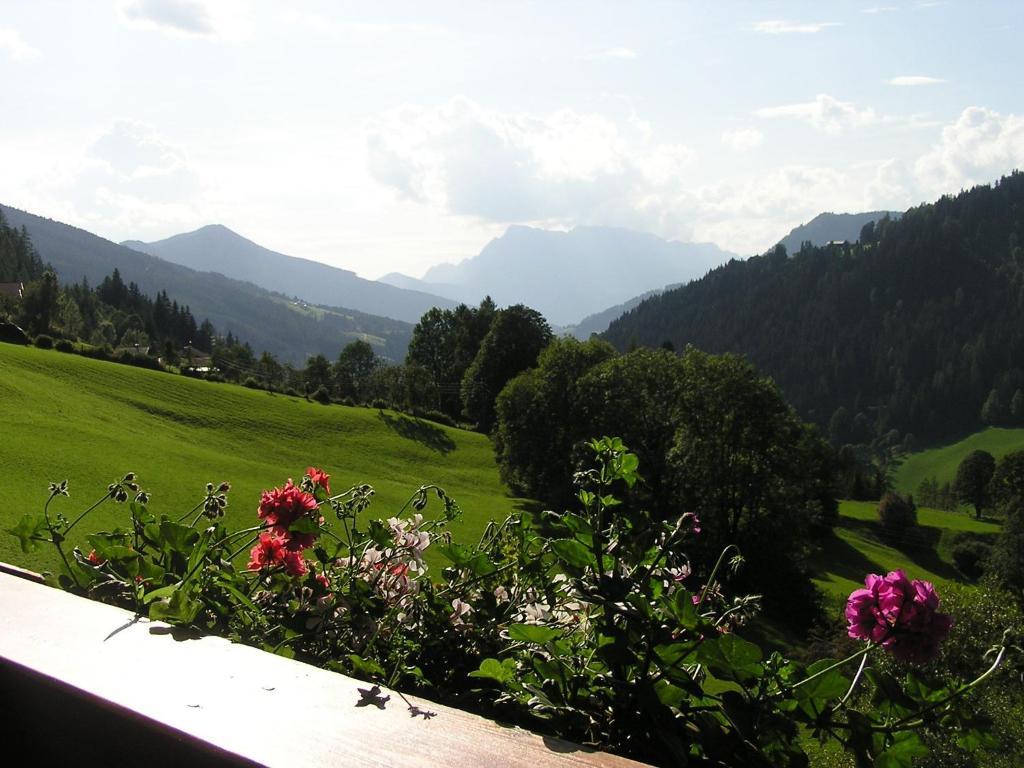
column 912, row 334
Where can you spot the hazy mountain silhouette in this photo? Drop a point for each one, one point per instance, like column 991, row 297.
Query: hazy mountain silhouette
column 216, row 248
column 570, row 275
column 832, row 227
column 273, row 322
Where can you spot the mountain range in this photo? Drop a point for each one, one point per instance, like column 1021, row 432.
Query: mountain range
column 291, row 330
column 568, row 275
column 215, row 248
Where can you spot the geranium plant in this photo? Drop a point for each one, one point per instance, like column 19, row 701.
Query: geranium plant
column 590, row 624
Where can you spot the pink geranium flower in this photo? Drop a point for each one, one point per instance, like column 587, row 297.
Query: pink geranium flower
column 899, row 614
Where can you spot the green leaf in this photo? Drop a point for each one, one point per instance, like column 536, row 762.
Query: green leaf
column 573, row 553
column 109, row 547
column 668, row 694
column 467, row 557
column 29, row 530
column 180, row 608
column 177, row 537
column 901, row 754
column 731, row 657
column 814, row 696
column 304, row 525
column 366, row 668
column 532, row 633
column 157, row 594
column 499, row 671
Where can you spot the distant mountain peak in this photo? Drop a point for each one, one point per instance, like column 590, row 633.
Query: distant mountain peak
column 217, row 248
column 567, row 275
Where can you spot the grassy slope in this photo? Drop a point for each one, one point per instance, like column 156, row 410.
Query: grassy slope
column 858, row 548
column 941, row 463
column 65, row 416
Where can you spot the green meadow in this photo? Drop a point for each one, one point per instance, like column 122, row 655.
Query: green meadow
column 857, row 546
column 64, row 416
column 941, row 463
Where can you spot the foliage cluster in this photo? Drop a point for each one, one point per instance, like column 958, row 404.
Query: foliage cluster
column 592, row 626
column 714, row 437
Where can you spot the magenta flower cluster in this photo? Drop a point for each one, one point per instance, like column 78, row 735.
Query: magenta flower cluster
column 899, row 614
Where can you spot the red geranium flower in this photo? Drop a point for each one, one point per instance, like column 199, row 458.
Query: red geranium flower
column 281, row 507
column 319, row 478
column 273, row 549
column 95, row 559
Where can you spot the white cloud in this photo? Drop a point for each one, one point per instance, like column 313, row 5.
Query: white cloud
column 743, row 139
column 825, row 113
column 619, row 53
column 16, row 48
column 186, row 17
column 874, row 10
column 978, row 148
column 566, row 167
column 783, row 27
column 912, row 80
column 130, row 180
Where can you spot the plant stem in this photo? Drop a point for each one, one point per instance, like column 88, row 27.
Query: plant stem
column 86, row 512
column 856, row 678
column 866, row 649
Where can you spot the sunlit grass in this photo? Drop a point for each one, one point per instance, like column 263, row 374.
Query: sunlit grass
column 65, row 416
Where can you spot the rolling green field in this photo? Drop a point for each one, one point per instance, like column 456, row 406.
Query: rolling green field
column 941, row 463
column 857, row 547
column 65, row 416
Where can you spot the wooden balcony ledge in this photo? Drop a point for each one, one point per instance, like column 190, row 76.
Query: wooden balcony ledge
column 88, row 684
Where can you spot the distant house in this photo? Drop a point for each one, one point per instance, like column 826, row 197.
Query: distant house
column 196, row 359
column 14, row 290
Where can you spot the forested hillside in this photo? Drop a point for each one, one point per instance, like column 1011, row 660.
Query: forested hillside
column 267, row 321
column 915, row 333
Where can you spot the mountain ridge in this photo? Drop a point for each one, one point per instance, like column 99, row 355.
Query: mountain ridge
column 268, row 321
column 216, row 248
column 569, row 275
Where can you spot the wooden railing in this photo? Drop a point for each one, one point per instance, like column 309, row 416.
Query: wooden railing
column 88, row 683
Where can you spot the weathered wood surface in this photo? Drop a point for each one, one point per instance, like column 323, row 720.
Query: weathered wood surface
column 264, row 708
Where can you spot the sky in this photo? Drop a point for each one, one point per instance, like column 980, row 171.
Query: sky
column 391, row 136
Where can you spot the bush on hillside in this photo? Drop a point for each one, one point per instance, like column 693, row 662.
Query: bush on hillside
column 898, row 516
column 969, row 555
column 290, row 391
column 43, row 341
column 63, row 345
column 321, row 395
column 251, row 383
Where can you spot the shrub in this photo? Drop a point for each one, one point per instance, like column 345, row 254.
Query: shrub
column 63, row 345
column 321, row 395
column 347, row 400
column 290, row 391
column 970, row 555
column 897, row 514
column 251, row 383
column 379, row 403
column 43, row 341
column 434, row 415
